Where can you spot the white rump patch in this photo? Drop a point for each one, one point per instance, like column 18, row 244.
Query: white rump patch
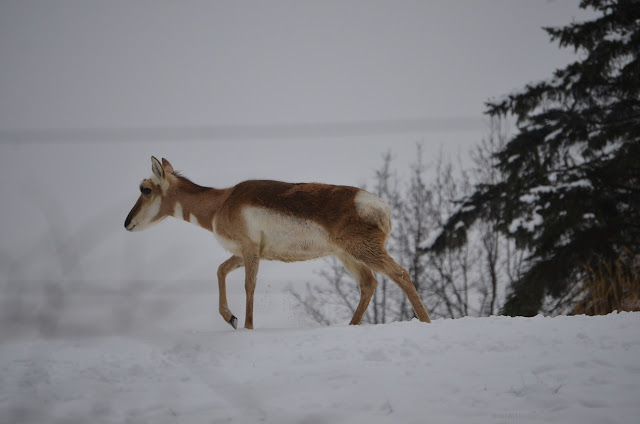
column 373, row 210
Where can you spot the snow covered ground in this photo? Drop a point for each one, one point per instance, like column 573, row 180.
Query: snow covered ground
column 188, row 366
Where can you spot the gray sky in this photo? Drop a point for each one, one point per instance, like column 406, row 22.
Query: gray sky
column 299, row 91
column 69, row 64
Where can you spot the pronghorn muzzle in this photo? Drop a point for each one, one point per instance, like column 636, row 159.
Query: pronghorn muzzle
column 139, row 217
column 127, row 222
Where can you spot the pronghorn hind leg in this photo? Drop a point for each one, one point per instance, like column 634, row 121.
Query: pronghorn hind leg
column 366, row 281
column 400, row 276
column 226, row 267
column 372, row 253
column 251, row 261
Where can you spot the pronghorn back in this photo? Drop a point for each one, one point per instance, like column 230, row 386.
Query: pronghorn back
column 331, row 206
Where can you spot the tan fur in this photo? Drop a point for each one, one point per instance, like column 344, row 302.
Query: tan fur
column 287, row 222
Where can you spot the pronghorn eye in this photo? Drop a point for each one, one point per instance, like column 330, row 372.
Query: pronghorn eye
column 145, row 190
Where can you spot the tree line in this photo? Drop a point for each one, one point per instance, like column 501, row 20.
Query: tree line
column 547, row 219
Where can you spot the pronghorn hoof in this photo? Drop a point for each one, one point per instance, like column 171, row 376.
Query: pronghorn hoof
column 233, row 321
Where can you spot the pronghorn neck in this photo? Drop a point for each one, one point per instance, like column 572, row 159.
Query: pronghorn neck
column 194, row 203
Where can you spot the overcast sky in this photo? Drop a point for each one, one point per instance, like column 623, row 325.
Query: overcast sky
column 299, row 91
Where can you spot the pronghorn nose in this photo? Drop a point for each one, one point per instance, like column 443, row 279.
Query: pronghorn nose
column 127, row 222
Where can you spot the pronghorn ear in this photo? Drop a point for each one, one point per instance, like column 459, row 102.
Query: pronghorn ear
column 167, row 166
column 156, row 167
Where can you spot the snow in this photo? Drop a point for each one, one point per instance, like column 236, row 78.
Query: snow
column 533, row 196
column 482, row 370
column 515, row 224
column 582, row 183
column 529, row 198
column 434, row 234
column 553, row 134
column 542, row 189
column 535, row 221
column 530, row 225
column 607, row 152
column 619, row 36
column 431, row 238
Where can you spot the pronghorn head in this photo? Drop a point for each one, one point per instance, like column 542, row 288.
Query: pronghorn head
column 152, row 205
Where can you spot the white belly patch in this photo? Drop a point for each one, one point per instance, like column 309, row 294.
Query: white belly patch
column 286, row 238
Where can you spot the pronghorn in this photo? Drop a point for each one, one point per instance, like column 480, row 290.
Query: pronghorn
column 274, row 220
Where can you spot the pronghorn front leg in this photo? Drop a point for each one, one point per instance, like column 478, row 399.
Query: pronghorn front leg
column 251, row 261
column 226, row 267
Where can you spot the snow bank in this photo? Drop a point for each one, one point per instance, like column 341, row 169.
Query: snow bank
column 480, row 370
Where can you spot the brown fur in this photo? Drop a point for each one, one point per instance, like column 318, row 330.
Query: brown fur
column 356, row 235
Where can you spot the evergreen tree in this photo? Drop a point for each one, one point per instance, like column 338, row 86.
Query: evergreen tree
column 571, row 189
